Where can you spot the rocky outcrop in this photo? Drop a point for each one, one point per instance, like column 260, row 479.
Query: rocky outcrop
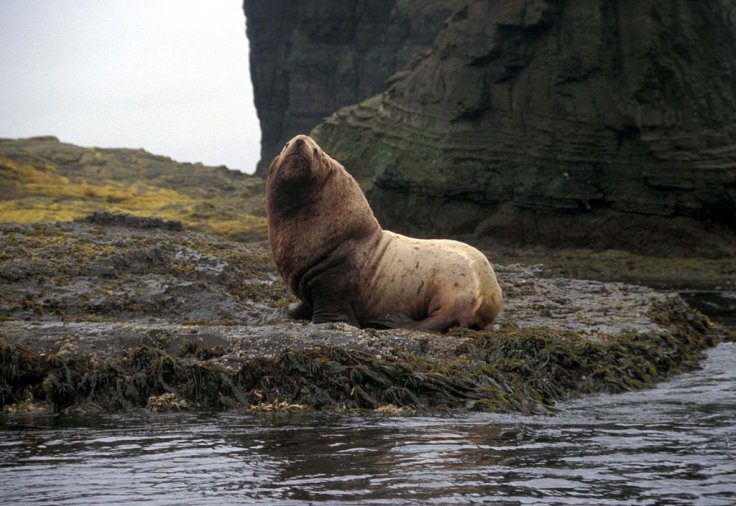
column 566, row 122
column 117, row 313
column 310, row 58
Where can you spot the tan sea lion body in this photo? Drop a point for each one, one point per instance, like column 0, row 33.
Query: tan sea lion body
column 333, row 254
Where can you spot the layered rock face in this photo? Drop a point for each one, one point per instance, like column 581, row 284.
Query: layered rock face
column 311, row 57
column 602, row 123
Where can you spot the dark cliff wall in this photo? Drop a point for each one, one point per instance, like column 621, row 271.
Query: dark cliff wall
column 608, row 123
column 311, row 57
column 601, row 123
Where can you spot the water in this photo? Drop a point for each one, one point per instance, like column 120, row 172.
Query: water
column 718, row 304
column 672, row 445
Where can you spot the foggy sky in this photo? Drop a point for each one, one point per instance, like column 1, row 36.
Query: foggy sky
column 169, row 76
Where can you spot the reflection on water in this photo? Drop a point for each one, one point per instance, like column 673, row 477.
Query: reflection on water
column 672, row 445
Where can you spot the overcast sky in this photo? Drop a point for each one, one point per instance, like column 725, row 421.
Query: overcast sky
column 169, row 76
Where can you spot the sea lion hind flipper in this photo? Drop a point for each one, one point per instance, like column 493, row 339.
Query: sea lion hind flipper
column 436, row 323
column 392, row 321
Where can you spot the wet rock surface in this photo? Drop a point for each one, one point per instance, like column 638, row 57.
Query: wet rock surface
column 121, row 316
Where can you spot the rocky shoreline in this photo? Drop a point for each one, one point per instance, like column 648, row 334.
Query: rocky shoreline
column 117, row 314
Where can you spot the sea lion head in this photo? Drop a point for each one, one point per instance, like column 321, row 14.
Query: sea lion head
column 300, row 162
column 315, row 208
column 296, row 177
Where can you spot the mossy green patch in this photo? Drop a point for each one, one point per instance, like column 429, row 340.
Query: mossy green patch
column 46, row 181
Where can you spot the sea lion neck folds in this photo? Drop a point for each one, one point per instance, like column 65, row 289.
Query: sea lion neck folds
column 333, row 254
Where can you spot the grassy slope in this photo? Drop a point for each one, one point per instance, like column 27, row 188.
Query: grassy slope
column 44, row 180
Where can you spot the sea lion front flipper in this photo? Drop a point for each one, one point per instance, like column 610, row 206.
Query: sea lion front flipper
column 300, row 311
column 332, row 317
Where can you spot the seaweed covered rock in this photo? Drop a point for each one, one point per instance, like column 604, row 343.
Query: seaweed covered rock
column 515, row 370
column 121, row 268
column 127, row 220
column 108, row 316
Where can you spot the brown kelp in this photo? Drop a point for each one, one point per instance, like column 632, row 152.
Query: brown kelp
column 509, row 370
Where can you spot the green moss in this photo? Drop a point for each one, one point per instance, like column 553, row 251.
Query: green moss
column 133, row 182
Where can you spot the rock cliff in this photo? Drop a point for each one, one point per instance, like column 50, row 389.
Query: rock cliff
column 560, row 121
column 567, row 122
column 310, row 58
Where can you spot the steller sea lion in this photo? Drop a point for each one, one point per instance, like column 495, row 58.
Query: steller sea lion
column 332, row 253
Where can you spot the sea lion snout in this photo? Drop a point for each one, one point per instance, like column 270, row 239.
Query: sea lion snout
column 299, row 145
column 296, row 159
